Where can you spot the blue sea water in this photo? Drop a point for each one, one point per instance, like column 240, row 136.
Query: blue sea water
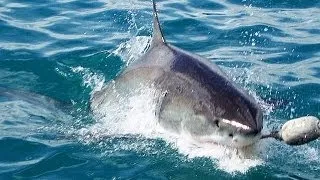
column 55, row 53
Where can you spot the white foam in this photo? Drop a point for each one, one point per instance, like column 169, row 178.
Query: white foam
column 132, row 49
column 227, row 159
column 128, row 114
column 90, row 79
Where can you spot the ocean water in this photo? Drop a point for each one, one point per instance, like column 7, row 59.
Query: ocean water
column 55, row 53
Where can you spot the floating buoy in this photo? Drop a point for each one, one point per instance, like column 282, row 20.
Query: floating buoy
column 298, row 131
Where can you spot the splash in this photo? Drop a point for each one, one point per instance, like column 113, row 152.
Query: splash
column 228, row 159
column 90, row 79
column 133, row 49
column 125, row 114
column 93, row 80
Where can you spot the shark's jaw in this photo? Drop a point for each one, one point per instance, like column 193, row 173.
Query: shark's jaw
column 230, row 139
column 234, row 134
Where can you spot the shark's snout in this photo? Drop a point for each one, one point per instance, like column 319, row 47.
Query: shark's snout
column 252, row 131
column 239, row 134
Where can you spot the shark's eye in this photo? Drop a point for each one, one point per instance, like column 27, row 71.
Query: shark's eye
column 216, row 122
column 230, row 135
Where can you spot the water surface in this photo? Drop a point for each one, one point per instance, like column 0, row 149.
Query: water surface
column 54, row 54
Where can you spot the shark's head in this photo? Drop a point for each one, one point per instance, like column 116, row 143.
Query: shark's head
column 235, row 122
column 199, row 97
column 225, row 118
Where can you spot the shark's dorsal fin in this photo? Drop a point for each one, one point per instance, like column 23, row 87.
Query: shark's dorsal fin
column 157, row 36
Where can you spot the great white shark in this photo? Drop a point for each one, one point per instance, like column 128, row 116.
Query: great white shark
column 196, row 96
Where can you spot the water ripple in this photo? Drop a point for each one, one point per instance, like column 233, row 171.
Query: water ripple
column 65, row 49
